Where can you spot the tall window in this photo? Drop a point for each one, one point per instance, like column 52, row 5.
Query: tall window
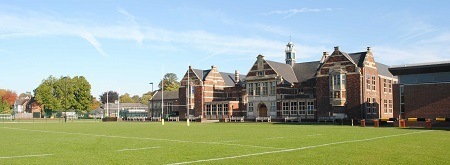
column 273, row 88
column 208, row 109
column 390, row 107
column 260, row 73
column 302, row 107
column 294, row 108
column 250, row 107
column 374, row 79
column 368, row 106
column 374, row 106
column 285, row 108
column 390, row 86
column 385, row 105
column 265, row 88
column 258, row 89
column 310, row 107
column 214, row 109
column 336, row 79
column 273, row 106
column 368, row 81
column 250, row 89
column 219, row 109
column 225, row 109
column 384, row 85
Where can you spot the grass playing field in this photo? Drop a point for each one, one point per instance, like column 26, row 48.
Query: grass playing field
column 217, row 143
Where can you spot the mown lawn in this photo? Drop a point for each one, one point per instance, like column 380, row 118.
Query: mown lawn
column 217, row 143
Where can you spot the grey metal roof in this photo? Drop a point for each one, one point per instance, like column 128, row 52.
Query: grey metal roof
column 306, row 71
column 348, row 57
column 383, row 70
column 230, row 79
column 125, row 105
column 169, row 95
column 283, row 70
column 430, row 67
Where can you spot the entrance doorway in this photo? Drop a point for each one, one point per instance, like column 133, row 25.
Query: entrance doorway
column 262, row 110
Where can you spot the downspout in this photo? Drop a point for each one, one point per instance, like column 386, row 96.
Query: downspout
column 361, row 96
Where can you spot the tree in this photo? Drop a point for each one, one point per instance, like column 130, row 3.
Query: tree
column 170, row 82
column 94, row 103
column 112, row 97
column 136, row 99
column 63, row 94
column 146, row 97
column 8, row 96
column 24, row 95
column 125, row 98
column 45, row 95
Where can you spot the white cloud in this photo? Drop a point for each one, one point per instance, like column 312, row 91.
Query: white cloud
column 292, row 12
column 94, row 43
column 136, row 32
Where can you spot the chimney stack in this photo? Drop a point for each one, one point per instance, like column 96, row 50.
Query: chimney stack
column 236, row 76
column 368, row 48
column 336, row 48
column 324, row 57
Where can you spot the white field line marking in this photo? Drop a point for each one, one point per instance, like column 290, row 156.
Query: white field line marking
column 314, row 135
column 296, row 149
column 135, row 149
column 140, row 138
column 229, row 141
column 275, row 138
column 24, row 156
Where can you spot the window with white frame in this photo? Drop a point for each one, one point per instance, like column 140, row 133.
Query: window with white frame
column 265, row 88
column 208, row 109
column 258, row 89
column 310, row 107
column 384, row 85
column 390, row 86
column 373, row 82
column 225, row 109
column 273, row 88
column 250, row 89
column 219, row 109
column 273, row 106
column 285, row 108
column 214, row 109
column 250, row 107
column 368, row 81
column 302, row 107
column 294, row 108
column 385, row 105
column 390, row 107
column 260, row 73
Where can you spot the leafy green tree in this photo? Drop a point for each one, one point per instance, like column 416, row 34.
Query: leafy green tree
column 112, row 97
column 136, row 99
column 82, row 94
column 4, row 107
column 45, row 95
column 64, row 94
column 94, row 103
column 125, row 98
column 145, row 97
column 170, row 82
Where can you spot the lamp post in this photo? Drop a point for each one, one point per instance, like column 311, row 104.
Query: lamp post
column 151, row 101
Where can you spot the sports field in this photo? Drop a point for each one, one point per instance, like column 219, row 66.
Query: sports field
column 217, row 143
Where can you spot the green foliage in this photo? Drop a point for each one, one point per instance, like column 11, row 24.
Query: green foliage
column 4, row 107
column 170, row 82
column 145, row 97
column 64, row 94
column 125, row 98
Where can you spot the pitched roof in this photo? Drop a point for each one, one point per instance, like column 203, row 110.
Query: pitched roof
column 22, row 101
column 306, row 71
column 429, row 67
column 170, row 95
column 358, row 58
column 227, row 77
column 383, row 70
column 283, row 70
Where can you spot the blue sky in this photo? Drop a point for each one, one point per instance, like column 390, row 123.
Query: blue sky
column 123, row 45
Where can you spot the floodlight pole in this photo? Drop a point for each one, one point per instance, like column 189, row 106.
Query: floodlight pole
column 188, row 98
column 162, row 96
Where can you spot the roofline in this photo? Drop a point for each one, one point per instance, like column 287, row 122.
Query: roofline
column 430, row 67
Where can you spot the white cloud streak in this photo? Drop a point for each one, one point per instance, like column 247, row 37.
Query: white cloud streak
column 88, row 37
column 292, row 12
